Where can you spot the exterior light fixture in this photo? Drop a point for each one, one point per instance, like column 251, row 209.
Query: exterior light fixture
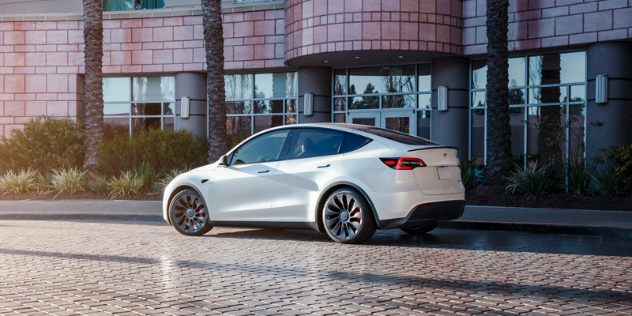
column 184, row 107
column 308, row 104
column 326, row 61
column 442, row 98
column 601, row 89
column 400, row 57
column 356, row 57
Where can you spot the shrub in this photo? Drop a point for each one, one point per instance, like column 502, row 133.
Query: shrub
column 44, row 144
column 21, row 182
column 577, row 175
column 99, row 185
column 604, row 184
column 148, row 174
column 622, row 168
column 534, row 181
column 67, row 180
column 160, row 185
column 470, row 174
column 43, row 182
column 161, row 150
column 128, row 184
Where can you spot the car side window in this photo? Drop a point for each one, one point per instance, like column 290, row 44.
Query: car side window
column 314, row 142
column 352, row 142
column 264, row 148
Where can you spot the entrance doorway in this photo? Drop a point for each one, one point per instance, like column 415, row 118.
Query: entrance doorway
column 399, row 120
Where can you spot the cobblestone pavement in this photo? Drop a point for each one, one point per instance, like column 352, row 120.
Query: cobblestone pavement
column 73, row 268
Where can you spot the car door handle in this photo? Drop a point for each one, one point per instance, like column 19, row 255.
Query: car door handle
column 325, row 166
column 264, row 171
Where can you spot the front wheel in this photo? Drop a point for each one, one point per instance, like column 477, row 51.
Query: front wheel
column 188, row 213
column 419, row 230
column 347, row 217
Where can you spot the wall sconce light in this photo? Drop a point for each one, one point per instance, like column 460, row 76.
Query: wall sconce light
column 308, row 104
column 184, row 107
column 442, row 98
column 601, row 89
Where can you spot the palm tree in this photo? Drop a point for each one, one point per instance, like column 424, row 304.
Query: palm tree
column 93, row 98
column 214, row 45
column 499, row 158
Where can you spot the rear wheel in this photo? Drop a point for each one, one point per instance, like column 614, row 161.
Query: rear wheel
column 188, row 213
column 347, row 217
column 419, row 230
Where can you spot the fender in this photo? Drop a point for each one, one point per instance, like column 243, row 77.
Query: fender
column 179, row 187
column 328, row 190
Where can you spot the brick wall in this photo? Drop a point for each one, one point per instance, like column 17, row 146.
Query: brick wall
column 343, row 25
column 548, row 23
column 41, row 62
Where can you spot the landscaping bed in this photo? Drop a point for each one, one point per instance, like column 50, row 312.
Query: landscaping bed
column 78, row 196
column 496, row 196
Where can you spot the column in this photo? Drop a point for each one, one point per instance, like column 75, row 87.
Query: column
column 315, row 80
column 451, row 127
column 612, row 59
column 192, row 85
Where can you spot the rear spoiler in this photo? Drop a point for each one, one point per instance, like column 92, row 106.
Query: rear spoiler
column 435, row 147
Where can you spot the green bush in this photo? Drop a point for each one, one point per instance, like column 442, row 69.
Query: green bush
column 21, row 182
column 160, row 150
column 622, row 167
column 577, row 175
column 534, row 181
column 149, row 176
column 160, row 185
column 604, row 184
column 67, row 180
column 128, row 184
column 44, row 144
column 99, row 185
column 470, row 174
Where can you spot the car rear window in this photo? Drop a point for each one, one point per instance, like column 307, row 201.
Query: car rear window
column 352, row 142
column 396, row 136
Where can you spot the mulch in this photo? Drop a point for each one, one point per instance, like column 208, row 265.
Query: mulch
column 496, row 196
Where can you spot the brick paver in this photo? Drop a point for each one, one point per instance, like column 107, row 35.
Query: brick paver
column 74, row 268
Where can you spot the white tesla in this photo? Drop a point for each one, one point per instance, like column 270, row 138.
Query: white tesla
column 343, row 179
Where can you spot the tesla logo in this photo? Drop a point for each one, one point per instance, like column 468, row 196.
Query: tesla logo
column 445, row 156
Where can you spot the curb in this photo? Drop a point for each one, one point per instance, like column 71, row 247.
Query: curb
column 91, row 217
column 621, row 232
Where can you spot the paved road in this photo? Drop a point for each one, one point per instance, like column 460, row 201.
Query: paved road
column 71, row 268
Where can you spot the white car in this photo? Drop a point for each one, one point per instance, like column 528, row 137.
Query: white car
column 343, row 179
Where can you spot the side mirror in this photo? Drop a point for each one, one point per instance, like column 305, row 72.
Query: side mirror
column 223, row 161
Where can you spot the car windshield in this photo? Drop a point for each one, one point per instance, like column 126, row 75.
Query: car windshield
column 396, row 136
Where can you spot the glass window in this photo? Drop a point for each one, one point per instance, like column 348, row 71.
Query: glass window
column 340, row 82
column 364, row 102
column 113, row 127
column 125, row 5
column 264, row 148
column 314, row 142
column 398, row 101
column 479, row 74
column 423, row 124
column 269, row 106
column 275, row 85
column 153, row 88
column 263, row 122
column 396, row 136
column 238, row 128
column 116, row 89
column 423, row 76
column 116, row 108
column 516, row 72
column 238, row 87
column 352, row 142
column 382, row 80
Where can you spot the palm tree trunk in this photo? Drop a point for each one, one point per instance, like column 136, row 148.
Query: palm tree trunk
column 93, row 98
column 214, row 45
column 499, row 158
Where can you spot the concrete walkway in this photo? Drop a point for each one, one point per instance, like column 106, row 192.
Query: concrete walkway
column 551, row 221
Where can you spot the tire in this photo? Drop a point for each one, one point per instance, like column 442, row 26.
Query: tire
column 188, row 213
column 419, row 230
column 347, row 217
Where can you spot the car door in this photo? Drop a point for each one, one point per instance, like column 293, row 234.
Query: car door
column 311, row 162
column 243, row 189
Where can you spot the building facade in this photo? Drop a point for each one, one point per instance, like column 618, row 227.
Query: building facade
column 363, row 61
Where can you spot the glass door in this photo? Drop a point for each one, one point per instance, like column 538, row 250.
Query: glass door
column 371, row 118
column 399, row 120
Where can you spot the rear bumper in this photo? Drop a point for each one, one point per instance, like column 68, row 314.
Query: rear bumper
column 426, row 214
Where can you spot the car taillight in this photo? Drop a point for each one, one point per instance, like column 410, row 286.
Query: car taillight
column 403, row 163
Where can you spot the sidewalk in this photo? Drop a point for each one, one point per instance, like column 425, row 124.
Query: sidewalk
column 548, row 221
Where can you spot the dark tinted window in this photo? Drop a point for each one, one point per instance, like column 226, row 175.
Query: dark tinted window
column 264, row 148
column 352, row 142
column 314, row 142
column 397, row 136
